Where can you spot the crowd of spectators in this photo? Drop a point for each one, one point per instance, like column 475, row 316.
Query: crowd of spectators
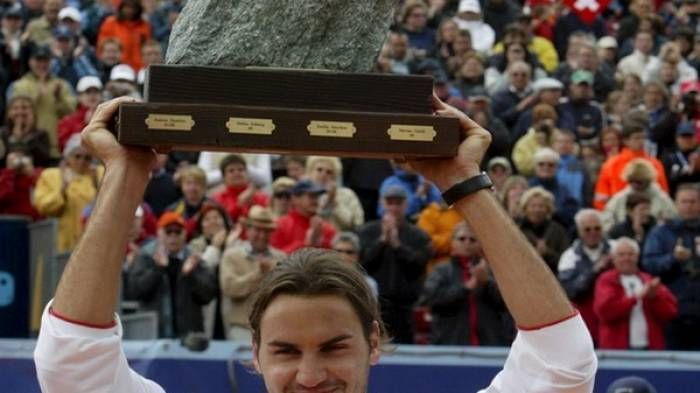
column 595, row 127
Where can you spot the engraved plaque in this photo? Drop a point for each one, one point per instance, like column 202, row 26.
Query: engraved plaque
column 169, row 122
column 405, row 132
column 241, row 125
column 333, row 129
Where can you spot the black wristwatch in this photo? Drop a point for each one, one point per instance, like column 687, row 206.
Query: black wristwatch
column 469, row 186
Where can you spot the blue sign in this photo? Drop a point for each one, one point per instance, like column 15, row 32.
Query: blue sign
column 7, row 289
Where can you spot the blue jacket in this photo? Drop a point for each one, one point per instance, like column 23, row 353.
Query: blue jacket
column 410, row 183
column 572, row 175
column 565, row 205
column 682, row 278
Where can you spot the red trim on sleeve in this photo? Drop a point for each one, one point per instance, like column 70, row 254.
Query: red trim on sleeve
column 85, row 324
column 537, row 327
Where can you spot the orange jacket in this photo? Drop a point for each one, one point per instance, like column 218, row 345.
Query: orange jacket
column 130, row 34
column 438, row 223
column 610, row 180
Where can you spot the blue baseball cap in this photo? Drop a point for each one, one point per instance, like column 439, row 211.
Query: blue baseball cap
column 307, row 187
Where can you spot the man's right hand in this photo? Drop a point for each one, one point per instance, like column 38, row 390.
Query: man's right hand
column 102, row 144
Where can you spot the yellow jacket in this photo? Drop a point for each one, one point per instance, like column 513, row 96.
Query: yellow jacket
column 49, row 107
column 524, row 153
column 68, row 206
column 542, row 48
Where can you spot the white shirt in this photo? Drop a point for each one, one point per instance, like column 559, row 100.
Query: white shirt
column 639, row 337
column 634, row 63
column 71, row 358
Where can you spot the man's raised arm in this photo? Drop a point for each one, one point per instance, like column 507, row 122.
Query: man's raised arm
column 79, row 346
column 553, row 351
column 89, row 287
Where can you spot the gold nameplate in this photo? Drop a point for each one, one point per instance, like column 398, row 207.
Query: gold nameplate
column 404, row 132
column 240, row 125
column 334, row 129
column 169, row 122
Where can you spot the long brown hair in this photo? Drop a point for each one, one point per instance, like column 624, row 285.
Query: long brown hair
column 19, row 97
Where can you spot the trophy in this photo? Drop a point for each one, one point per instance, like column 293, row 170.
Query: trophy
column 215, row 95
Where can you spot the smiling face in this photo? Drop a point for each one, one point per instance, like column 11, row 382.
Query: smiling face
column 212, row 223
column 314, row 344
column 235, row 175
column 21, row 112
column 625, row 258
column 536, row 210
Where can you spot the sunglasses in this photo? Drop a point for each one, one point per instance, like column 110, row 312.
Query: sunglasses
column 547, row 164
column 173, row 231
column 282, row 195
column 464, row 238
column 592, row 229
column 344, row 251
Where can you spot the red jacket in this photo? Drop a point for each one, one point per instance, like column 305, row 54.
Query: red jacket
column 71, row 124
column 16, row 193
column 290, row 234
column 614, row 308
column 228, row 198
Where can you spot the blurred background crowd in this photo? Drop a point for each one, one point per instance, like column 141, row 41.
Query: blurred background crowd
column 594, row 110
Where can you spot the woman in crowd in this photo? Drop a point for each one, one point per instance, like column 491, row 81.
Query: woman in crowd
column 548, row 236
column 20, row 132
column 541, row 134
column 513, row 189
column 213, row 235
column 339, row 204
column 470, row 74
column 65, row 191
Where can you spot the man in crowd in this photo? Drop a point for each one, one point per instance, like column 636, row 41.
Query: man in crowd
column 242, row 268
column 464, row 301
column 580, row 265
column 348, row 244
column 53, row 96
column 302, row 226
column 512, row 101
column 683, row 163
column 395, row 253
column 170, row 280
column 419, row 192
column 632, row 306
column 240, row 193
column 302, row 318
column 672, row 251
column 89, row 90
column 587, row 117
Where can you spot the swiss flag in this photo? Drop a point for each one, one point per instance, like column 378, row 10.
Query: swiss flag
column 587, row 10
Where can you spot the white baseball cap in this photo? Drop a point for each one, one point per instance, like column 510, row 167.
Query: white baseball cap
column 122, row 72
column 469, row 6
column 88, row 82
column 71, row 13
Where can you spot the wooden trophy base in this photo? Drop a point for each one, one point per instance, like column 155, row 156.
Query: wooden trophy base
column 288, row 112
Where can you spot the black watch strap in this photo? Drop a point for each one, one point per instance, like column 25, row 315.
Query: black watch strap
column 469, row 186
